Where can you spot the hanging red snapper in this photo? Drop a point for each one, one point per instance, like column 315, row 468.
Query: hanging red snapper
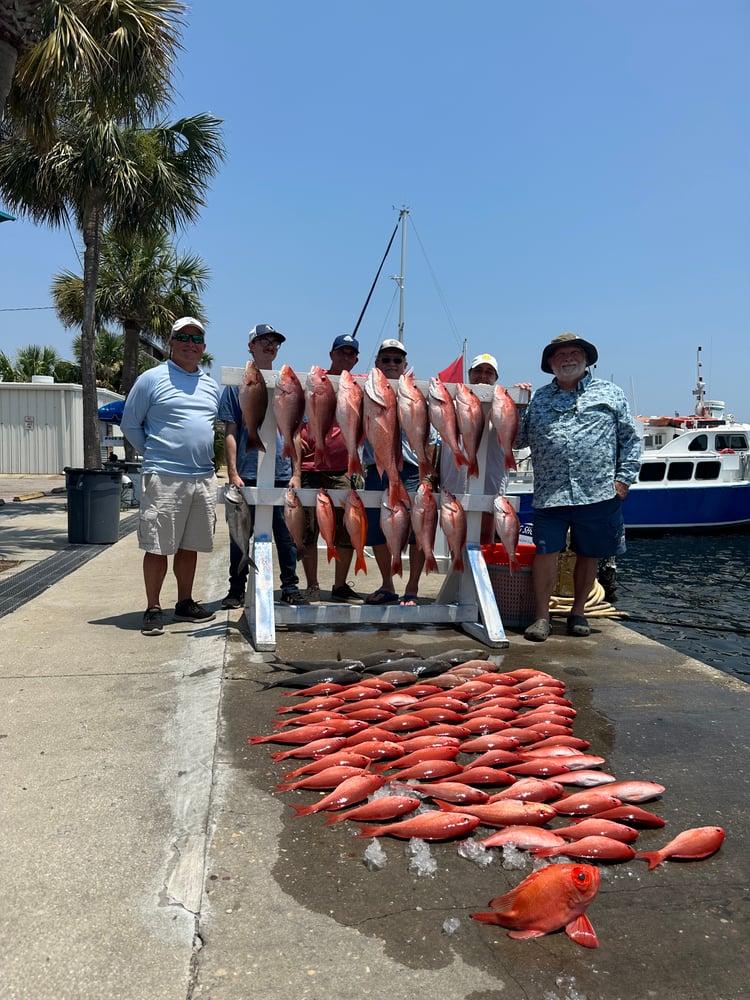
column 253, row 396
column 453, row 523
column 504, row 417
column 424, row 521
column 355, row 522
column 443, row 418
column 508, row 527
column 294, row 518
column 349, row 419
column 690, row 845
column 550, row 898
column 288, row 409
column 326, row 518
column 414, row 420
column 470, row 421
column 380, row 412
column 320, row 406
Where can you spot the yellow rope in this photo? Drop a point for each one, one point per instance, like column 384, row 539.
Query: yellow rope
column 596, row 606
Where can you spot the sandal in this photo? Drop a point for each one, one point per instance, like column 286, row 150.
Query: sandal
column 538, row 631
column 577, row 625
column 382, row 596
column 409, row 601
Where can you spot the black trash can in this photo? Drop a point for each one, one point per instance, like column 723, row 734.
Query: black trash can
column 93, row 505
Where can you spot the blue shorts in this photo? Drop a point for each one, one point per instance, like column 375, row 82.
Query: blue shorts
column 374, row 481
column 597, row 530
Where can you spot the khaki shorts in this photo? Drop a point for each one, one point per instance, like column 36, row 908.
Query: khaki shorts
column 177, row 512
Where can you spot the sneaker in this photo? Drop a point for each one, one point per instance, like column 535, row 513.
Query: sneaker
column 345, row 595
column 313, row 594
column 189, row 611
column 294, row 597
column 153, row 622
column 538, row 631
column 234, row 599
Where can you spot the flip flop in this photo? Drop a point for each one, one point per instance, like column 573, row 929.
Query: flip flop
column 381, row 596
column 409, row 601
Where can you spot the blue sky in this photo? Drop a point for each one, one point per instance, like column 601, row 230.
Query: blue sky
column 567, row 166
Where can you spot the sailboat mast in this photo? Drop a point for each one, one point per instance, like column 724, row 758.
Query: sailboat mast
column 402, row 277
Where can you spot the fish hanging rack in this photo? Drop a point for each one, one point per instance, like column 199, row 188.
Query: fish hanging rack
column 465, row 600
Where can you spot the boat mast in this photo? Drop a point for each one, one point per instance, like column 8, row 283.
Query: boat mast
column 700, row 389
column 401, row 278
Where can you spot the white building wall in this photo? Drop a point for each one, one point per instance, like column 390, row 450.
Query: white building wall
column 41, row 426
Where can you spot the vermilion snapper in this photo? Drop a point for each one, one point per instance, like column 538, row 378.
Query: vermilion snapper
column 597, row 827
column 326, row 522
column 427, row 826
column 443, row 418
column 547, row 900
column 424, row 521
column 380, row 413
column 414, row 420
column 379, row 809
column 508, row 527
column 525, row 838
column 599, row 848
column 453, row 523
column 348, row 793
column 349, row 419
column 355, row 522
column 470, row 421
column 690, row 845
column 320, row 405
column 294, row 518
column 289, row 409
column 507, row 812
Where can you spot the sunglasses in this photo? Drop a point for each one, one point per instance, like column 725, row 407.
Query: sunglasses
column 185, row 338
column 392, row 361
column 267, row 342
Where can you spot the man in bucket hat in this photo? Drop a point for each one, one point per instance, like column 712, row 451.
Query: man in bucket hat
column 586, row 453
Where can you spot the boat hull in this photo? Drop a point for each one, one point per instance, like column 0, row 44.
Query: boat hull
column 719, row 507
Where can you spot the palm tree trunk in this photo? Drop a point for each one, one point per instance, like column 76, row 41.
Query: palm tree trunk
column 8, row 59
column 93, row 225
column 131, row 351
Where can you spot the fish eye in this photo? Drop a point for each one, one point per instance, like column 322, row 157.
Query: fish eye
column 581, row 876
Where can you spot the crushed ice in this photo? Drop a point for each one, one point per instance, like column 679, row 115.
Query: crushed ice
column 472, row 850
column 422, row 861
column 374, row 857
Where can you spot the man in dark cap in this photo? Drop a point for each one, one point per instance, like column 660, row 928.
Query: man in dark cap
column 585, row 452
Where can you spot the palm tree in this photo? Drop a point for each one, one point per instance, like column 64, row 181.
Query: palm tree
column 143, row 283
column 96, row 157
column 34, row 360
column 19, row 21
column 109, row 351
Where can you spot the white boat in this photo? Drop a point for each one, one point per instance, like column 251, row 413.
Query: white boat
column 694, row 475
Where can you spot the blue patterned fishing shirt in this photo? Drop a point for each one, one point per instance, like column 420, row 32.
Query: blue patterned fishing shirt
column 581, row 441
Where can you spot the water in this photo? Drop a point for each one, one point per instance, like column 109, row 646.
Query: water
column 691, row 593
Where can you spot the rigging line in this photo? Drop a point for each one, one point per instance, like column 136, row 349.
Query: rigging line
column 18, row 309
column 372, row 288
column 451, row 322
column 386, row 320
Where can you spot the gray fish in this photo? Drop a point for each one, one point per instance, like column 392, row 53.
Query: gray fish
column 388, row 656
column 312, row 677
column 416, row 665
column 304, row 666
column 458, row 656
column 240, row 523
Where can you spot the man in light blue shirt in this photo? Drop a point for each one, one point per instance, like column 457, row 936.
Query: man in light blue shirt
column 585, row 452
column 169, row 418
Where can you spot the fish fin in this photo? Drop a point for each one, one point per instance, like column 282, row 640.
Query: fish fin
column 370, row 831
column 458, row 564
column 354, row 467
column 486, row 918
column 306, row 810
column 448, row 807
column 333, row 553
column 526, row 934
column 510, row 460
column 581, row 931
column 472, row 471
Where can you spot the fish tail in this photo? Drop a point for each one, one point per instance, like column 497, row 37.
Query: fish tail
column 332, row 553
column 473, row 469
column 370, row 831
column 306, row 810
column 653, row 857
column 335, row 819
column 361, row 563
column 425, row 469
column 397, row 568
column 447, row 806
column 354, row 467
column 510, row 460
column 430, row 565
column 460, row 458
column 458, row 563
column 486, row 918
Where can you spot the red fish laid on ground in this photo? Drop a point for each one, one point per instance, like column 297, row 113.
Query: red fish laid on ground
column 289, row 409
column 598, row 848
column 380, row 809
column 313, row 750
column 690, row 845
column 508, row 812
column 414, row 420
column 525, row 838
column 636, row 791
column 470, row 421
column 355, row 522
column 504, row 417
column 587, row 803
column 631, row 815
column 453, row 524
column 424, row 521
column 427, row 826
column 329, row 778
column 549, row 899
column 349, row 419
column 253, row 396
column 348, row 793
column 303, row 734
column 595, row 826
column 320, row 406
column 326, row 518
column 452, row 791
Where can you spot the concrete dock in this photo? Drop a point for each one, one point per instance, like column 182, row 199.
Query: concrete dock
column 147, row 856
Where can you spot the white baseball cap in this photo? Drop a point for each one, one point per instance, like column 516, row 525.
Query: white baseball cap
column 188, row 321
column 484, row 359
column 392, row 345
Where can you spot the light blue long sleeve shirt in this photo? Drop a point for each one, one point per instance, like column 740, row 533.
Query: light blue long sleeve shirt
column 581, row 441
column 169, row 418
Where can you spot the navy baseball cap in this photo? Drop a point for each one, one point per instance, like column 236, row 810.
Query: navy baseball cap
column 345, row 340
column 264, row 330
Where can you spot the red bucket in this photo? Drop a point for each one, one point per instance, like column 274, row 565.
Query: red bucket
column 495, row 555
